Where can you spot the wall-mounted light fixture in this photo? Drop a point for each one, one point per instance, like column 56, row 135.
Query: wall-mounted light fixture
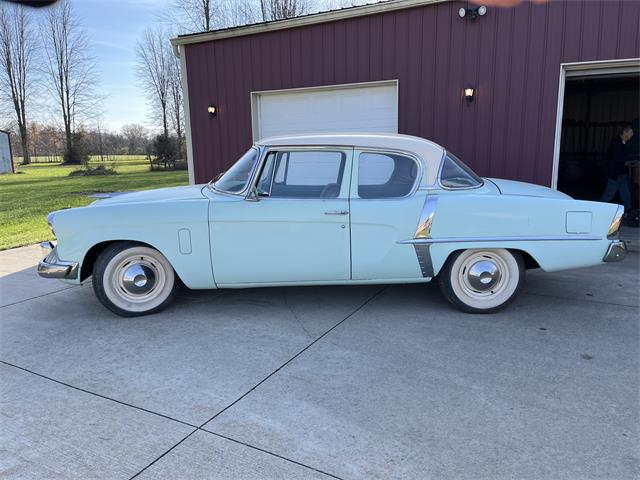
column 472, row 13
column 212, row 109
column 469, row 94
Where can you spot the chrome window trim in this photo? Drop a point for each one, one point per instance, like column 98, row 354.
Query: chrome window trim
column 416, row 182
column 259, row 172
column 296, row 148
column 539, row 238
column 439, row 177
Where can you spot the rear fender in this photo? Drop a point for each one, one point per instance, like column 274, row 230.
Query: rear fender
column 559, row 233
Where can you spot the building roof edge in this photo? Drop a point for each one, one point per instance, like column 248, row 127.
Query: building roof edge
column 310, row 19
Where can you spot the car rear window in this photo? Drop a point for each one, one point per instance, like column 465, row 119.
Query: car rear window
column 385, row 175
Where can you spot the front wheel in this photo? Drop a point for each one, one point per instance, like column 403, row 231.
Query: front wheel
column 482, row 281
column 132, row 279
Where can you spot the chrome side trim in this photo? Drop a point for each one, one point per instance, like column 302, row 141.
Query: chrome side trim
column 542, row 238
column 52, row 267
column 615, row 223
column 423, row 230
column 424, row 259
column 616, row 252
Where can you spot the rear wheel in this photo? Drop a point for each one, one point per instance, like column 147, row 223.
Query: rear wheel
column 482, row 280
column 132, row 279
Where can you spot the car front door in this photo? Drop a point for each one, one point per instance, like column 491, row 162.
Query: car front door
column 296, row 229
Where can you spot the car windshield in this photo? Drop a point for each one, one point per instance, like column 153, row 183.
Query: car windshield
column 455, row 174
column 236, row 178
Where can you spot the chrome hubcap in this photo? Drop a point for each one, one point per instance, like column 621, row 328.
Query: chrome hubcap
column 483, row 275
column 138, row 279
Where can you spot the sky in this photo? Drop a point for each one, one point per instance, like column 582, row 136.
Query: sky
column 114, row 28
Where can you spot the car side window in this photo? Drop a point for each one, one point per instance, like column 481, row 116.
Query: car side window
column 385, row 175
column 302, row 174
column 456, row 174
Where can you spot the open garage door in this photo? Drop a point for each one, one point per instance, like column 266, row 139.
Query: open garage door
column 363, row 107
column 595, row 107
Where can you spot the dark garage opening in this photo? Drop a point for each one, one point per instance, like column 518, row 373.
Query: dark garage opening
column 594, row 109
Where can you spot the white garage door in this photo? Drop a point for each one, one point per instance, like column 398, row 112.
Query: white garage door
column 369, row 107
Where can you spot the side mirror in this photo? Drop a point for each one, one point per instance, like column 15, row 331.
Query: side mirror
column 252, row 196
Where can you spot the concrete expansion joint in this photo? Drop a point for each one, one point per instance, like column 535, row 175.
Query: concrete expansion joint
column 195, row 428
column 360, row 307
column 268, row 452
column 244, row 395
column 104, row 397
column 201, row 428
column 39, row 296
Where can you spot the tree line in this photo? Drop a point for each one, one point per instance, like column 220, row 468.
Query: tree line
column 47, row 142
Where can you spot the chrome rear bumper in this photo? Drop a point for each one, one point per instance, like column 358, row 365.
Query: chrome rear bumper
column 52, row 267
column 616, row 252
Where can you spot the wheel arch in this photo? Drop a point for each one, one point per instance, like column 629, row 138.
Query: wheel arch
column 529, row 260
column 89, row 260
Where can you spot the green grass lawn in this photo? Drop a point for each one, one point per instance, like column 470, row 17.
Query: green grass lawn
column 27, row 196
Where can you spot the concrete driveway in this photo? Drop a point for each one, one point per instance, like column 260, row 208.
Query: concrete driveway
column 332, row 382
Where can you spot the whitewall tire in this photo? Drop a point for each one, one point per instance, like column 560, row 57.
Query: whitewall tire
column 482, row 280
column 131, row 279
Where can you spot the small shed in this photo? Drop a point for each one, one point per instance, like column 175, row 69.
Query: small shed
column 6, row 160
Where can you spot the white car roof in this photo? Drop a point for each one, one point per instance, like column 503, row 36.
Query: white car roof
column 431, row 153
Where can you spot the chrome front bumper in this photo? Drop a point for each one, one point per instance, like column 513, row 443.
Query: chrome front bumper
column 52, row 267
column 616, row 252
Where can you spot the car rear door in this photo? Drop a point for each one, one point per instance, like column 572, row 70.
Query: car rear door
column 385, row 209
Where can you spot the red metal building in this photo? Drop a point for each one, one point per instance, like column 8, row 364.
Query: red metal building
column 520, row 62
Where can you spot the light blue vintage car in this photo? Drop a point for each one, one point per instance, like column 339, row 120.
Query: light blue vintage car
column 331, row 209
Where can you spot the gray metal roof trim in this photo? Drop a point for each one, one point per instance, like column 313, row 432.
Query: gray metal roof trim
column 301, row 20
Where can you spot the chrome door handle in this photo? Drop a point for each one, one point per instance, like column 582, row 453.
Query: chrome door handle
column 337, row 212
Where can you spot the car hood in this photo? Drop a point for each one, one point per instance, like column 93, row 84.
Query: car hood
column 157, row 195
column 511, row 187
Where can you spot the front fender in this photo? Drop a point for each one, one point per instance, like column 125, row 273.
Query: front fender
column 179, row 230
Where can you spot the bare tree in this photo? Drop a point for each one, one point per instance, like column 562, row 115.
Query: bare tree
column 136, row 137
column 99, row 134
column 281, row 9
column 191, row 15
column 154, row 65
column 203, row 15
column 70, row 70
column 175, row 98
column 240, row 12
column 17, row 55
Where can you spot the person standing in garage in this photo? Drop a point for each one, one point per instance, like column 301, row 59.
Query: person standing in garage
column 616, row 170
